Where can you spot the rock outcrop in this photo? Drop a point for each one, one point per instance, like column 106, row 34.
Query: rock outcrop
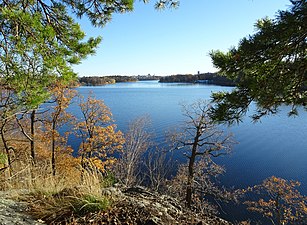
column 13, row 212
column 130, row 206
column 138, row 206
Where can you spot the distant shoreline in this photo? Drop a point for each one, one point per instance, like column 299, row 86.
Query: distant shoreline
column 205, row 78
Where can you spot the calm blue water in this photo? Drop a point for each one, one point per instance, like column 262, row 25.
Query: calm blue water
column 275, row 146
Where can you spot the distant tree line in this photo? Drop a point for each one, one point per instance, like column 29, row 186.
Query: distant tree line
column 148, row 77
column 208, row 78
column 119, row 78
column 186, row 78
column 97, row 81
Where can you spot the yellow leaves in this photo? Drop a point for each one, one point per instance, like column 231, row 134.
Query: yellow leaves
column 275, row 179
column 67, row 165
column 99, row 137
column 95, row 112
column 103, row 141
column 245, row 222
column 97, row 163
column 268, row 214
column 282, row 200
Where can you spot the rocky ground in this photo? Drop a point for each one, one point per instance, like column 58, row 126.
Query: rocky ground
column 13, row 212
column 131, row 206
column 138, row 206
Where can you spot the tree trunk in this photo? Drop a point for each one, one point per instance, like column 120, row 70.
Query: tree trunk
column 7, row 149
column 192, row 158
column 278, row 210
column 53, row 150
column 190, row 182
column 32, row 141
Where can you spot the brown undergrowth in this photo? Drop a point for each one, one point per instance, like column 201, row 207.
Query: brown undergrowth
column 61, row 199
column 66, row 206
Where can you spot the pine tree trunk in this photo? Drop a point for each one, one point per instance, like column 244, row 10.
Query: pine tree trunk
column 32, row 141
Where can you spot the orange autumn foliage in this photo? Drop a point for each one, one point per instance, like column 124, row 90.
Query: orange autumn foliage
column 282, row 203
column 99, row 138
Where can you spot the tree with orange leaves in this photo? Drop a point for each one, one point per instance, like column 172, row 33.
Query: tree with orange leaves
column 282, row 203
column 58, row 117
column 99, row 138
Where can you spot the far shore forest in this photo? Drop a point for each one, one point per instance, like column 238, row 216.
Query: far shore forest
column 204, row 78
column 40, row 41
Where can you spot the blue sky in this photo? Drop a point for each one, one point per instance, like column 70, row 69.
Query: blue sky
column 176, row 41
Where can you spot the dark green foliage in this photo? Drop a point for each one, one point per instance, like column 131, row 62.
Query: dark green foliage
column 215, row 78
column 99, row 12
column 269, row 67
column 38, row 44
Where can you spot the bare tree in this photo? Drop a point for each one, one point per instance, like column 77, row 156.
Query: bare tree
column 137, row 143
column 158, row 166
column 27, row 123
column 7, row 110
column 199, row 138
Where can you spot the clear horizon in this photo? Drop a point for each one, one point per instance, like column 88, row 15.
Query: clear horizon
column 172, row 41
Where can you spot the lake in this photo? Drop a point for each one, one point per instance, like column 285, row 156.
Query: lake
column 277, row 145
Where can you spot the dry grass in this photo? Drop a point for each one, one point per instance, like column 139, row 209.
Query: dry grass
column 58, row 199
column 71, row 202
column 65, row 206
column 40, row 178
column 30, row 177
